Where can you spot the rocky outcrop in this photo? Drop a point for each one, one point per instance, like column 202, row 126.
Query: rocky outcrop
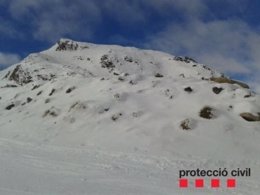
column 19, row 76
column 66, row 45
column 184, row 59
column 250, row 117
column 230, row 81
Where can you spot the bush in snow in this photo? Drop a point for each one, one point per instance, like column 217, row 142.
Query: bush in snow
column 187, row 124
column 207, row 112
column 9, row 107
column 217, row 90
column 188, row 89
column 106, row 62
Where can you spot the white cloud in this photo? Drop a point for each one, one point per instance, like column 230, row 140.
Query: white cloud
column 254, row 82
column 50, row 20
column 230, row 46
column 7, row 59
column 186, row 7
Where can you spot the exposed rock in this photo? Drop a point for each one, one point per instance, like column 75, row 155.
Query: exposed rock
column 9, row 107
column 66, row 45
column 206, row 67
column 106, row 62
column 46, row 77
column 217, row 90
column 103, row 110
column 248, row 95
column 188, row 89
column 187, row 124
column 47, row 101
column 69, row 90
column 35, row 87
column 207, row 112
column 20, row 76
column 28, row 100
column 6, row 76
column 250, row 117
column 52, row 92
column 182, row 75
column 184, row 59
column 137, row 114
column 115, row 117
column 39, row 93
column 115, row 73
column 121, row 78
column 51, row 112
column 158, row 75
column 128, row 59
column 230, row 81
column 133, row 82
column 9, row 86
column 78, row 106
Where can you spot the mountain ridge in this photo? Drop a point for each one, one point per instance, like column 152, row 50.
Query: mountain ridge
column 145, row 97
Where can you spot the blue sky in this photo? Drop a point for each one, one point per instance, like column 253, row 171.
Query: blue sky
column 222, row 34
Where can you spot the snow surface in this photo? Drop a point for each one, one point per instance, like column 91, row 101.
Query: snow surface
column 115, row 129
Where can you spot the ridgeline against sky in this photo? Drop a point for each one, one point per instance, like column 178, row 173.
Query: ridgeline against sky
column 224, row 34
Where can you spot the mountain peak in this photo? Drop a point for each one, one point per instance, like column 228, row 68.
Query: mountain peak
column 127, row 95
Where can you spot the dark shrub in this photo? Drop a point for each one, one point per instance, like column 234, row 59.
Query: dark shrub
column 106, row 62
column 115, row 73
column 185, row 125
column 158, row 75
column 217, row 90
column 206, row 112
column 188, row 89
column 28, row 100
column 10, row 107
column 35, row 87
column 128, row 59
column 51, row 112
column 52, row 92
column 39, row 93
column 9, row 86
column 69, row 90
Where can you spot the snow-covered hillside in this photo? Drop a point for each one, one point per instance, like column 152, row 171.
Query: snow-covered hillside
column 86, row 116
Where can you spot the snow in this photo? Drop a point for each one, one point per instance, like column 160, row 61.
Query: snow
column 118, row 130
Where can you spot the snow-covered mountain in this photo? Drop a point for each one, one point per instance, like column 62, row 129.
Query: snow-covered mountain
column 153, row 112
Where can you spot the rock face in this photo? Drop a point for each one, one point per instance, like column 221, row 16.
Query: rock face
column 64, row 45
column 20, row 76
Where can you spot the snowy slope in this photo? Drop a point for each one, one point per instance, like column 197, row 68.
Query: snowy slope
column 80, row 115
